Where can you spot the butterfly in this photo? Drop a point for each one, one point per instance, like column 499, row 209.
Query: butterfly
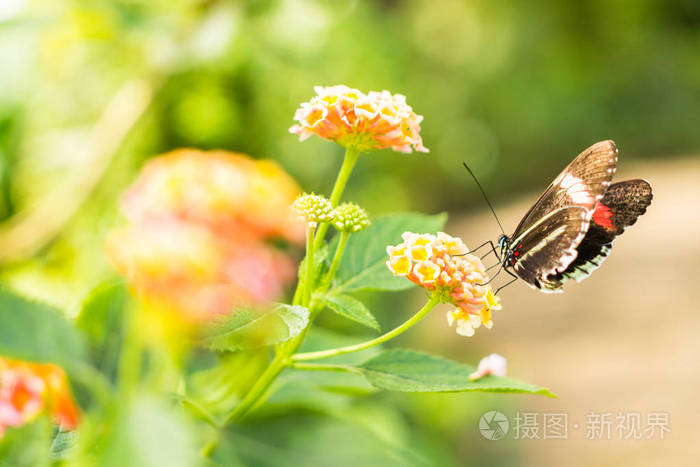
column 569, row 231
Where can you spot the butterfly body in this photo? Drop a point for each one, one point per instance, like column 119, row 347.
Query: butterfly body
column 570, row 229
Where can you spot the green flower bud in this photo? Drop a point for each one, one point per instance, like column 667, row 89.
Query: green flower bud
column 313, row 208
column 349, row 217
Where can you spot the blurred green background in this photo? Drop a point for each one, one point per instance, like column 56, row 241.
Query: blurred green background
column 90, row 90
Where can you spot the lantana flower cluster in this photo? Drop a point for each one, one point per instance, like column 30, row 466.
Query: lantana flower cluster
column 29, row 389
column 442, row 264
column 364, row 122
column 198, row 230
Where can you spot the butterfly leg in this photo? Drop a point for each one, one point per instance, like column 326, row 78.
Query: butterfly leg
column 485, row 255
column 491, row 278
column 515, row 278
column 493, row 250
column 478, row 248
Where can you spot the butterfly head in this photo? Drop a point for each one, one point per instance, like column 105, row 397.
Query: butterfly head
column 504, row 245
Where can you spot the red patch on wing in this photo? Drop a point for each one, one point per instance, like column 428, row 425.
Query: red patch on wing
column 602, row 215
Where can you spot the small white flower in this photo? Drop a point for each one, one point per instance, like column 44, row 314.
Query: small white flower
column 493, row 364
column 455, row 246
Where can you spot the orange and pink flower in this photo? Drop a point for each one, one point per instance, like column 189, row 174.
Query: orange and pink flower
column 442, row 264
column 198, row 231
column 29, row 389
column 364, row 122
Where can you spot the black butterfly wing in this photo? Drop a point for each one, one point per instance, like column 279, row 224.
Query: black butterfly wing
column 549, row 246
column 619, row 208
column 582, row 183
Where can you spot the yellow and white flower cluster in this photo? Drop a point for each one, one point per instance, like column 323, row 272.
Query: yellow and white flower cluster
column 442, row 264
column 364, row 122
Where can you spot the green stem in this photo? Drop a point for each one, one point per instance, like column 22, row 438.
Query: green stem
column 349, row 161
column 323, row 367
column 434, row 300
column 336, row 261
column 196, row 407
column 210, row 447
column 259, row 388
column 296, row 298
column 130, row 359
column 308, row 279
column 278, row 364
column 303, row 294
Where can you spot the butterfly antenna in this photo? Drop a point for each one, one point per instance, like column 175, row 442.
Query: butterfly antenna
column 484, row 195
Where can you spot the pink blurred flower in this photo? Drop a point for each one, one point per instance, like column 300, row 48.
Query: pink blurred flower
column 198, row 226
column 377, row 120
column 493, row 364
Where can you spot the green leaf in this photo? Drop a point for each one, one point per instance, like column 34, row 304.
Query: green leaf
column 249, row 329
column 149, row 433
column 101, row 320
column 353, row 309
column 220, row 387
column 28, row 445
column 320, row 390
column 411, row 371
column 64, row 445
column 363, row 266
column 34, row 331
column 307, row 439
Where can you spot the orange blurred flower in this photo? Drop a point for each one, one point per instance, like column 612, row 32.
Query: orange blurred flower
column 198, row 230
column 30, row 389
column 224, row 191
column 377, row 120
column 443, row 265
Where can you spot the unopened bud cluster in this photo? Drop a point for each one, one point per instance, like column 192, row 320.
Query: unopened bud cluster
column 349, row 217
column 313, row 208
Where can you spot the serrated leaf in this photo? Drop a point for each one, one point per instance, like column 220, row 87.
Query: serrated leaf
column 410, row 371
column 352, row 309
column 64, row 445
column 35, row 331
column 249, row 329
column 363, row 266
